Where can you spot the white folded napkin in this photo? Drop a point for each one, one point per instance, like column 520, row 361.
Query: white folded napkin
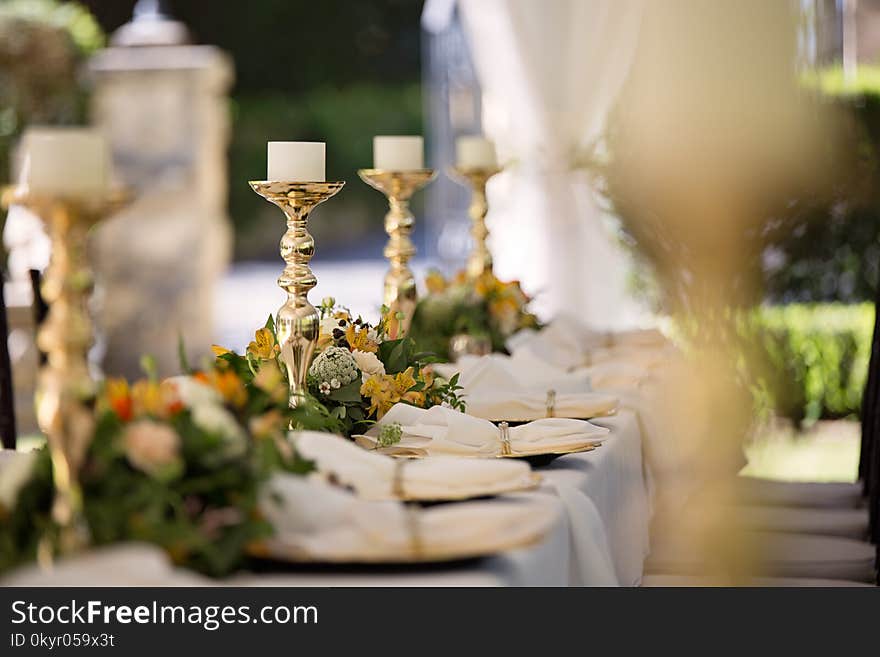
column 316, row 521
column 443, row 431
column 564, row 342
column 567, row 342
column 375, row 476
column 521, row 372
column 522, row 388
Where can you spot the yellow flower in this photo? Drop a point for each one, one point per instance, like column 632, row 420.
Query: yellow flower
column 379, row 389
column 403, row 381
column 435, row 282
column 270, row 380
column 486, row 284
column 218, row 350
column 148, row 399
column 385, row 390
column 263, row 346
column 359, row 339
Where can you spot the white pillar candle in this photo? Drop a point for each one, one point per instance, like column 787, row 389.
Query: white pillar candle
column 296, row 161
column 398, row 153
column 475, row 152
column 64, row 161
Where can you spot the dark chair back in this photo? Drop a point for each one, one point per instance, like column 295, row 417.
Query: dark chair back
column 869, row 459
column 7, row 402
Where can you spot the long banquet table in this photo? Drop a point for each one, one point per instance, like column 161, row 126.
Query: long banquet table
column 600, row 537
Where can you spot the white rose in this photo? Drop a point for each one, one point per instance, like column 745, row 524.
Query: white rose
column 216, row 419
column 194, row 393
column 150, row 445
column 368, row 363
column 14, row 474
column 328, row 324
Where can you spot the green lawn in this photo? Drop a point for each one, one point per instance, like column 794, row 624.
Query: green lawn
column 829, row 451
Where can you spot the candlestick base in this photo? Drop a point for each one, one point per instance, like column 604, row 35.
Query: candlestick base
column 400, row 284
column 480, row 258
column 297, row 323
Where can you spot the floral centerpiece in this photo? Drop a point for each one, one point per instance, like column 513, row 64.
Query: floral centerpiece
column 178, row 463
column 359, row 372
column 483, row 307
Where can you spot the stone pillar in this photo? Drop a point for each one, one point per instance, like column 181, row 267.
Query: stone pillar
column 164, row 108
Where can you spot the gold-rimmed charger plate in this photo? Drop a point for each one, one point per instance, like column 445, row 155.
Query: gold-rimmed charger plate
column 418, row 552
column 610, row 413
column 513, row 455
column 550, row 452
column 533, row 482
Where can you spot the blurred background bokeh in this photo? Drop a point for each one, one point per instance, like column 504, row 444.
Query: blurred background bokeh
column 341, row 72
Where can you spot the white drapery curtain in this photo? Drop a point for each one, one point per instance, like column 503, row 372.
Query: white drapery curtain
column 550, row 71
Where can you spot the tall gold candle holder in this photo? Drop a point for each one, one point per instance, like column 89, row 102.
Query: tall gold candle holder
column 65, row 389
column 399, row 186
column 297, row 323
column 480, row 259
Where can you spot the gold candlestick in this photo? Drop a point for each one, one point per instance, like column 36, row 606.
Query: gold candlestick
column 297, row 323
column 480, row 259
column 399, row 186
column 65, row 389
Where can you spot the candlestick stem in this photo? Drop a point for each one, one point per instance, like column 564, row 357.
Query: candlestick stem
column 480, row 258
column 65, row 388
column 297, row 323
column 400, row 293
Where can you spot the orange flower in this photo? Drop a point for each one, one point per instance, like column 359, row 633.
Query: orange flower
column 231, row 388
column 218, row 350
column 118, row 398
column 227, row 383
column 156, row 399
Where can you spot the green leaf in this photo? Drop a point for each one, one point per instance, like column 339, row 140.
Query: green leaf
column 270, row 324
column 181, row 355
column 149, row 366
column 239, row 365
column 349, row 393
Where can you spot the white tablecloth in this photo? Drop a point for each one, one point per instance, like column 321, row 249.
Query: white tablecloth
column 600, row 537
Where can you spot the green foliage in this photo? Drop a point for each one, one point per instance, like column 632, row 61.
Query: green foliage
column 481, row 307
column 451, row 395
column 202, row 508
column 71, row 17
column 807, row 362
